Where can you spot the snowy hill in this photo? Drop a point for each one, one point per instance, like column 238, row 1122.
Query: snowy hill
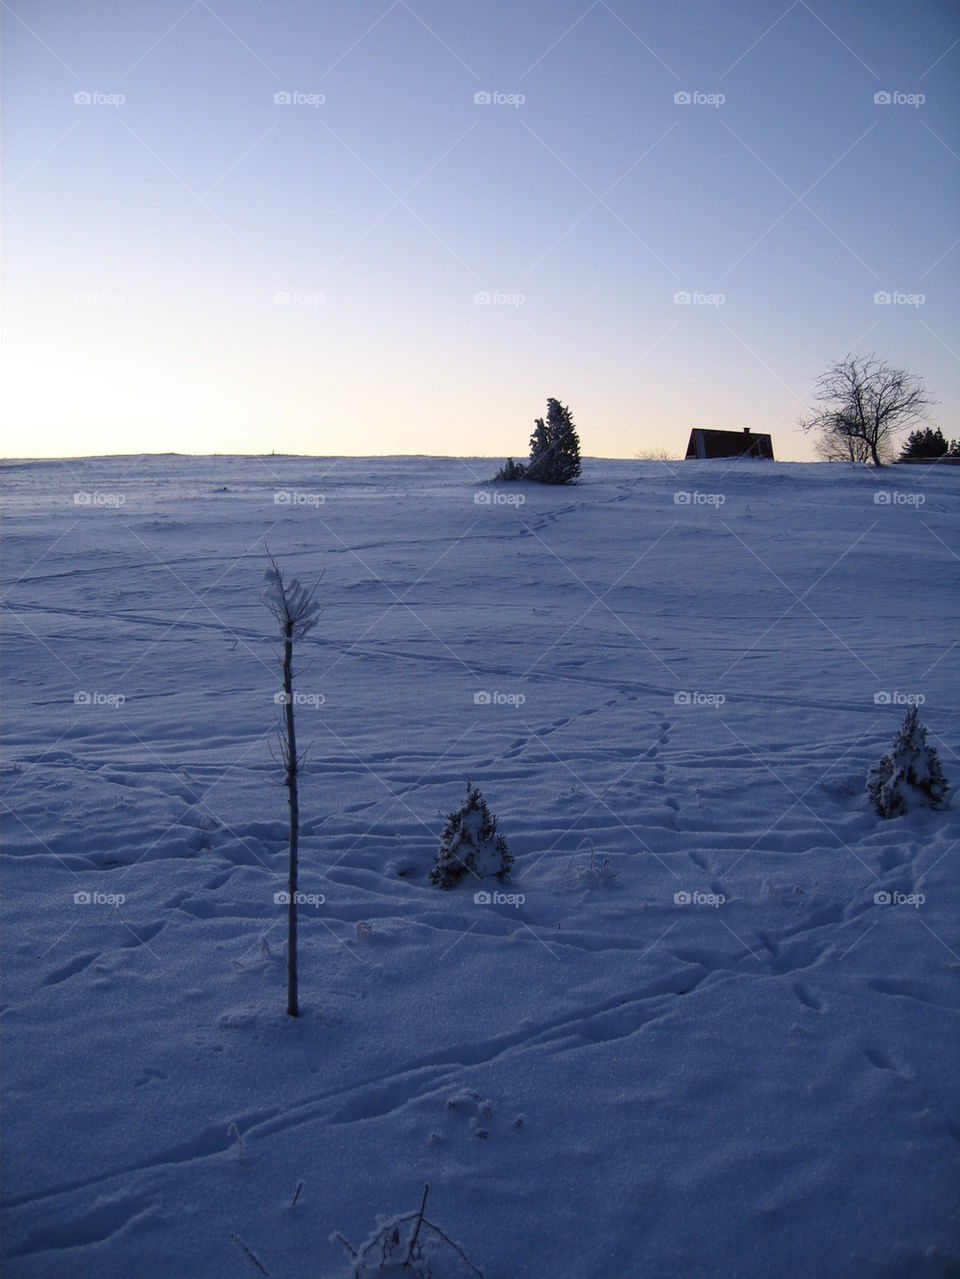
column 735, row 1053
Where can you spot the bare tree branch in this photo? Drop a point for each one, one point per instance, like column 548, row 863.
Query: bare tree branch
column 864, row 406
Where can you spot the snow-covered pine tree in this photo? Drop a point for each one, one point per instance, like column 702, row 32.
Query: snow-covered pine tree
column 909, row 775
column 554, row 447
column 470, row 844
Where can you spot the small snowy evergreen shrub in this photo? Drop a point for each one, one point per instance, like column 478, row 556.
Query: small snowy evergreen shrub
column 470, row 844
column 554, row 447
column 910, row 774
column 510, row 471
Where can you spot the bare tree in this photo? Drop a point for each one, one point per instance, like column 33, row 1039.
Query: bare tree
column 296, row 614
column 864, row 406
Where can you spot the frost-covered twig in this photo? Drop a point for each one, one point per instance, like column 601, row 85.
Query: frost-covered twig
column 250, row 1255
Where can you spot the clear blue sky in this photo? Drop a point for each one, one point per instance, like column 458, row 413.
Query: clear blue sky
column 150, row 242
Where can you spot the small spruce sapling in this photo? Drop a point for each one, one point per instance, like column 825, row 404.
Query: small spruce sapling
column 296, row 615
column 909, row 774
column 470, row 844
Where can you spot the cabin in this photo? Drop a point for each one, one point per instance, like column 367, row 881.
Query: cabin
column 745, row 443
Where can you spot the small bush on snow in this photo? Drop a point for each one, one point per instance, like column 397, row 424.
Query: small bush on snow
column 409, row 1246
column 910, row 774
column 470, row 844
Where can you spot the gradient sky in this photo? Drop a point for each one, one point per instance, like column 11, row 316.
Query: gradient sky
column 199, row 268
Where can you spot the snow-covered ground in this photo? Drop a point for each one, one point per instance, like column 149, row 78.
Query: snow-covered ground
column 729, row 1058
